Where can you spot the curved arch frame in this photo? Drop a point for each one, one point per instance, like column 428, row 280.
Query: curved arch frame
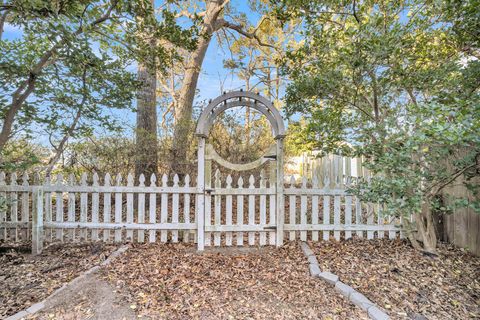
column 255, row 101
column 206, row 153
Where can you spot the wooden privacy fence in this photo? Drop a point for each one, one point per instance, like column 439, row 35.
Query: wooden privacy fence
column 236, row 212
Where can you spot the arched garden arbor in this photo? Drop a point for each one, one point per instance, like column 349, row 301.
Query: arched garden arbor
column 206, row 154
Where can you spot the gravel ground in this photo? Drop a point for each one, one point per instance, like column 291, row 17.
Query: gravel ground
column 173, row 281
column 408, row 284
column 27, row 279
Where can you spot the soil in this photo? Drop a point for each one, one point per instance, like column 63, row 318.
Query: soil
column 91, row 298
column 26, row 279
column 405, row 282
column 174, row 281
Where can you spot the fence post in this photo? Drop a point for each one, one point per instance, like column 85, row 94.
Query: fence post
column 200, row 219
column 37, row 222
column 280, row 206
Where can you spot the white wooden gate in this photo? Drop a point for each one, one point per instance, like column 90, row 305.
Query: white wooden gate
column 251, row 201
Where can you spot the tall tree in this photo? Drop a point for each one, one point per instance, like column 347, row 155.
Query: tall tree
column 146, row 157
column 184, row 107
column 212, row 20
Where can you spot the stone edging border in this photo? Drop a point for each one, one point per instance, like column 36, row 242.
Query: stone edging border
column 373, row 311
column 40, row 305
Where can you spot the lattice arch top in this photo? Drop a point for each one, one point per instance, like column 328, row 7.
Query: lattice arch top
column 240, row 99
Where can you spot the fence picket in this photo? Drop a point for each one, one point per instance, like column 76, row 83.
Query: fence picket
column 391, row 221
column 152, row 208
column 326, row 203
column 380, row 234
column 107, row 206
column 14, row 208
column 25, row 208
column 141, row 208
column 218, row 208
column 292, row 202
column 175, row 203
column 208, row 201
column 272, row 202
column 186, row 208
column 336, row 215
column 95, row 206
column 337, row 199
column 251, row 210
column 129, row 233
column 240, row 212
column 83, row 207
column 303, row 210
column 370, row 216
column 71, row 207
column 358, row 215
column 228, row 208
column 48, row 208
column 164, row 210
column 348, row 209
column 370, row 211
column 315, row 207
column 263, row 208
column 118, row 208
column 59, row 207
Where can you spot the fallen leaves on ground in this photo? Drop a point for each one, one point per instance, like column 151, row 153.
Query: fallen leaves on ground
column 405, row 282
column 26, row 279
column 173, row 281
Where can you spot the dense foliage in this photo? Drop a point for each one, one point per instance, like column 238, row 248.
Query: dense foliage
column 73, row 63
column 397, row 83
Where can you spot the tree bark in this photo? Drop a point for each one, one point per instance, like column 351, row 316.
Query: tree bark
column 424, row 230
column 146, row 161
column 184, row 107
column 146, row 128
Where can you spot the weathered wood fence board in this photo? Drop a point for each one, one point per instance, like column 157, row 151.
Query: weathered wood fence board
column 105, row 209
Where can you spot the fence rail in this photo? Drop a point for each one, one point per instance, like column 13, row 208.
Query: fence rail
column 112, row 210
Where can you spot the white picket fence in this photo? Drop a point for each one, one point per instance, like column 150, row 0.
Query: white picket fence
column 236, row 212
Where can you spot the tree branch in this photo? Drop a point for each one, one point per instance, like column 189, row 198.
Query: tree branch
column 3, row 18
column 450, row 180
column 26, row 88
column 238, row 28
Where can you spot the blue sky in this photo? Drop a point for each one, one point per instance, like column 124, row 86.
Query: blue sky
column 213, row 71
column 212, row 75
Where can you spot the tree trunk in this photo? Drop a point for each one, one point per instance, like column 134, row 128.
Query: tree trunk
column 425, row 230
column 146, row 161
column 146, row 143
column 183, row 109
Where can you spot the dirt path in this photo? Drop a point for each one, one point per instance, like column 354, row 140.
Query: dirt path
column 26, row 279
column 173, row 281
column 90, row 298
